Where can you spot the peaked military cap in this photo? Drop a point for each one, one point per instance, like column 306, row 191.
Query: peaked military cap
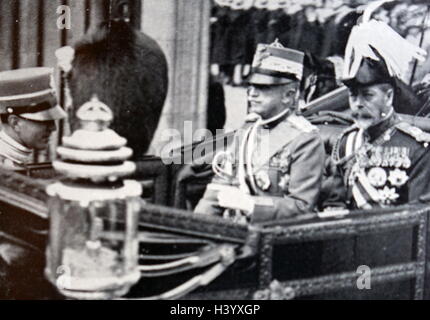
column 30, row 93
column 275, row 64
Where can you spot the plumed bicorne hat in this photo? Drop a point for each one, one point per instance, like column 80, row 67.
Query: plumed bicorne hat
column 375, row 53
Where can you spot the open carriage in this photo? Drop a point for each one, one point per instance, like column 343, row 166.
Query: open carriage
column 363, row 254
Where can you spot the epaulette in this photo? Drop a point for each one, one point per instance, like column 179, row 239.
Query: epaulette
column 302, row 124
column 415, row 132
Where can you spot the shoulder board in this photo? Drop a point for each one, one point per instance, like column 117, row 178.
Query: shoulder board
column 415, row 132
column 302, row 124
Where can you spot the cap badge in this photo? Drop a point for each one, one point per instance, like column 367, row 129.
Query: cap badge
column 261, row 55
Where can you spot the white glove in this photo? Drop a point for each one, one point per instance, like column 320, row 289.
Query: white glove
column 233, row 198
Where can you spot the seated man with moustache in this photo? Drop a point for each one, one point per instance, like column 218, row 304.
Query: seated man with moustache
column 380, row 161
column 274, row 168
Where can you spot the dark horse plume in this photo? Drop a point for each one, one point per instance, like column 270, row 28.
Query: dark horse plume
column 127, row 70
column 319, row 77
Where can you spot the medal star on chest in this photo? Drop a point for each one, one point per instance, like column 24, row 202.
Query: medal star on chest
column 388, row 195
column 379, row 177
column 263, row 180
column 384, row 168
column 398, row 177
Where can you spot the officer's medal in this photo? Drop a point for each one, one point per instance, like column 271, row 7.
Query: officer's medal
column 377, row 177
column 262, row 180
column 385, row 171
column 398, row 177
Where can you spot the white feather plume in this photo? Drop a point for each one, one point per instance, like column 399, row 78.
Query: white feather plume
column 371, row 8
column 395, row 50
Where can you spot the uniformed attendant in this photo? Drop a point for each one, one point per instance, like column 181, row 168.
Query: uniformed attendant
column 383, row 160
column 28, row 109
column 310, row 31
column 260, row 20
column 219, row 36
column 336, row 28
column 274, row 168
column 238, row 37
column 279, row 22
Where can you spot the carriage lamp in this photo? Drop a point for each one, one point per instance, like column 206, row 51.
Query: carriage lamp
column 92, row 250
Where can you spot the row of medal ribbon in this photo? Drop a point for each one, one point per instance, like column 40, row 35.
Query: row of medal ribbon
column 395, row 157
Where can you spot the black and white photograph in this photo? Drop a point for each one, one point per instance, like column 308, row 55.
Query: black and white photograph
column 234, row 151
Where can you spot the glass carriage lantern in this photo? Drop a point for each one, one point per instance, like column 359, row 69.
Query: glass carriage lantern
column 93, row 246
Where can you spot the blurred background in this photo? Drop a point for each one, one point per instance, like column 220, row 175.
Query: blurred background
column 318, row 27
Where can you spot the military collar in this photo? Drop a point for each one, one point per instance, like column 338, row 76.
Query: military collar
column 273, row 124
column 374, row 132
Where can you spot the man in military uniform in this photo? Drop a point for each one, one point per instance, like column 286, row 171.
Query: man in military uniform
column 28, row 111
column 383, row 161
column 380, row 161
column 275, row 166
